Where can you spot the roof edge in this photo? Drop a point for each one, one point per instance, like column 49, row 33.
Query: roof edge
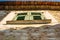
column 30, row 3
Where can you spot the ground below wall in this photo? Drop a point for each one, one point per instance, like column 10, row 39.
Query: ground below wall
column 46, row 32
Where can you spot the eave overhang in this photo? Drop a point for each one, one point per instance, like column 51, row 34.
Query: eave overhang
column 29, row 5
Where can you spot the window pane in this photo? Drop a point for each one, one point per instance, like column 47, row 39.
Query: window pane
column 22, row 14
column 20, row 17
column 35, row 13
column 36, row 17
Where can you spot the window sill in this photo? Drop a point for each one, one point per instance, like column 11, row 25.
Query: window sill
column 29, row 21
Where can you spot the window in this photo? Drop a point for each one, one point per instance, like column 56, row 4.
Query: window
column 29, row 16
column 20, row 16
column 36, row 16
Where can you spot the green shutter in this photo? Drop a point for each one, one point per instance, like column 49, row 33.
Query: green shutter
column 36, row 17
column 20, row 17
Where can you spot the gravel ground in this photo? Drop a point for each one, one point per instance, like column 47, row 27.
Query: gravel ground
column 45, row 32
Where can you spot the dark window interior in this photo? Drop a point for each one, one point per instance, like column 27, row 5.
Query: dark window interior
column 20, row 17
column 36, row 17
column 35, row 13
column 22, row 14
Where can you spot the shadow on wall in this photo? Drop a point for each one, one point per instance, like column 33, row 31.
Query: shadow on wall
column 45, row 32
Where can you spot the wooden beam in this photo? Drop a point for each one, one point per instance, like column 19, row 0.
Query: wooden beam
column 30, row 7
